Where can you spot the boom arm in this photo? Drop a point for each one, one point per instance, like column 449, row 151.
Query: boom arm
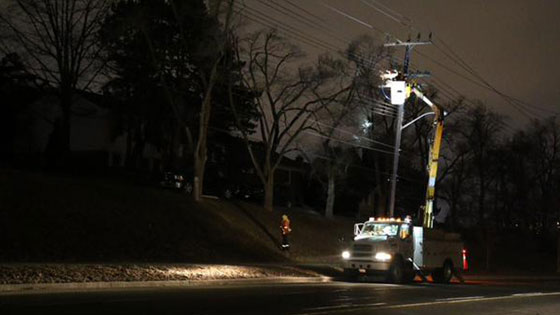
column 433, row 159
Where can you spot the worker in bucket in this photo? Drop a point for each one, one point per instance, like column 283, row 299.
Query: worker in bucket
column 285, row 228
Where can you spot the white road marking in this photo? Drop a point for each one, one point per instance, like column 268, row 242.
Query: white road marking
column 354, row 307
column 474, row 299
column 462, row 298
column 341, row 307
column 528, row 294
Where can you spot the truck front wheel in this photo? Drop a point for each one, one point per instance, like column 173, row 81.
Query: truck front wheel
column 397, row 271
column 409, row 272
column 351, row 274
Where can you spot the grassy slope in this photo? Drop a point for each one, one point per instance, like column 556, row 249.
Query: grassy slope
column 55, row 218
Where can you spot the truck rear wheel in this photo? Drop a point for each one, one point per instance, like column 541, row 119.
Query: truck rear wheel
column 444, row 274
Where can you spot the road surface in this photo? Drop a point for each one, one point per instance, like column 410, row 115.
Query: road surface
column 337, row 297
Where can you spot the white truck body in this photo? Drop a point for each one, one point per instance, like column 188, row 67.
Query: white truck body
column 433, row 247
column 380, row 244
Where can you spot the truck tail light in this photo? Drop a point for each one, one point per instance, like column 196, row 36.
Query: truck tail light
column 465, row 261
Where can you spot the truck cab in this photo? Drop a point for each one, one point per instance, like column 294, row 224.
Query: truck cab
column 398, row 249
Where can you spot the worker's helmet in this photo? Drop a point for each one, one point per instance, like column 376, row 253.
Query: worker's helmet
column 284, row 217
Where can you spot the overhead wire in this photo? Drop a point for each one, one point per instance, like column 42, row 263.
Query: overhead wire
column 381, row 11
column 524, row 108
column 453, row 95
column 418, row 181
column 367, row 25
column 380, row 108
column 321, row 20
column 348, row 143
column 450, row 96
column 268, row 21
column 408, row 22
column 353, row 18
column 253, row 15
column 524, row 111
column 354, row 135
column 299, row 17
column 302, row 38
column 460, row 61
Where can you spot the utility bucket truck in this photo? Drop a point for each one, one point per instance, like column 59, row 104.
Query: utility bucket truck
column 400, row 250
column 395, row 246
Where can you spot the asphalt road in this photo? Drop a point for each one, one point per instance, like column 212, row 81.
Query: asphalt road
column 484, row 297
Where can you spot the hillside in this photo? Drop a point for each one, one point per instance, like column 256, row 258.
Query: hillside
column 55, row 218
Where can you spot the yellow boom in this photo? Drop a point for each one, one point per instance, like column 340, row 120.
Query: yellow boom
column 433, row 159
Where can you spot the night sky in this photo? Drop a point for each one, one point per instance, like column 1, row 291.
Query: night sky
column 512, row 44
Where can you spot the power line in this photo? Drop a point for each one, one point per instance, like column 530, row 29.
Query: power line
column 457, row 59
column 377, row 109
column 381, row 11
column 353, row 135
column 523, row 107
column 411, row 180
column 348, row 143
column 523, row 111
column 403, row 17
column 321, row 20
column 355, row 19
column 445, row 67
column 297, row 16
column 265, row 20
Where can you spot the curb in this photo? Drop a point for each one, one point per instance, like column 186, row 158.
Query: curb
column 37, row 288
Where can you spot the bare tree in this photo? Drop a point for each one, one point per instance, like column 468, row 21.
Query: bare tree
column 58, row 40
column 289, row 98
column 217, row 9
column 378, row 118
column 544, row 161
column 455, row 167
column 334, row 159
column 481, row 133
column 332, row 126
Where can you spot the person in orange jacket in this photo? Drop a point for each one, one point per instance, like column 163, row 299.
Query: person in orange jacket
column 285, row 228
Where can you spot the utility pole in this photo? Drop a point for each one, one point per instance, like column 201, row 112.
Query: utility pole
column 400, row 114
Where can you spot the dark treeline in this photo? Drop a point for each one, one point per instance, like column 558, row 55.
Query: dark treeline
column 173, row 85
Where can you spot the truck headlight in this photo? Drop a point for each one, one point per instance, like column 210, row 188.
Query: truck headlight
column 346, row 254
column 382, row 256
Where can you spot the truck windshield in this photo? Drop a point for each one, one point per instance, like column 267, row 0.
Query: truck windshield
column 380, row 229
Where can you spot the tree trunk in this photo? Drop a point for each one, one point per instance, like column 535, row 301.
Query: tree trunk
column 558, row 251
column 269, row 193
column 329, row 207
column 489, row 240
column 200, row 152
column 126, row 160
column 137, row 152
column 198, row 183
column 63, row 143
column 201, row 149
column 65, row 131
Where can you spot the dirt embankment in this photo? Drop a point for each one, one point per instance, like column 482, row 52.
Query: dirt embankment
column 53, row 218
column 79, row 273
